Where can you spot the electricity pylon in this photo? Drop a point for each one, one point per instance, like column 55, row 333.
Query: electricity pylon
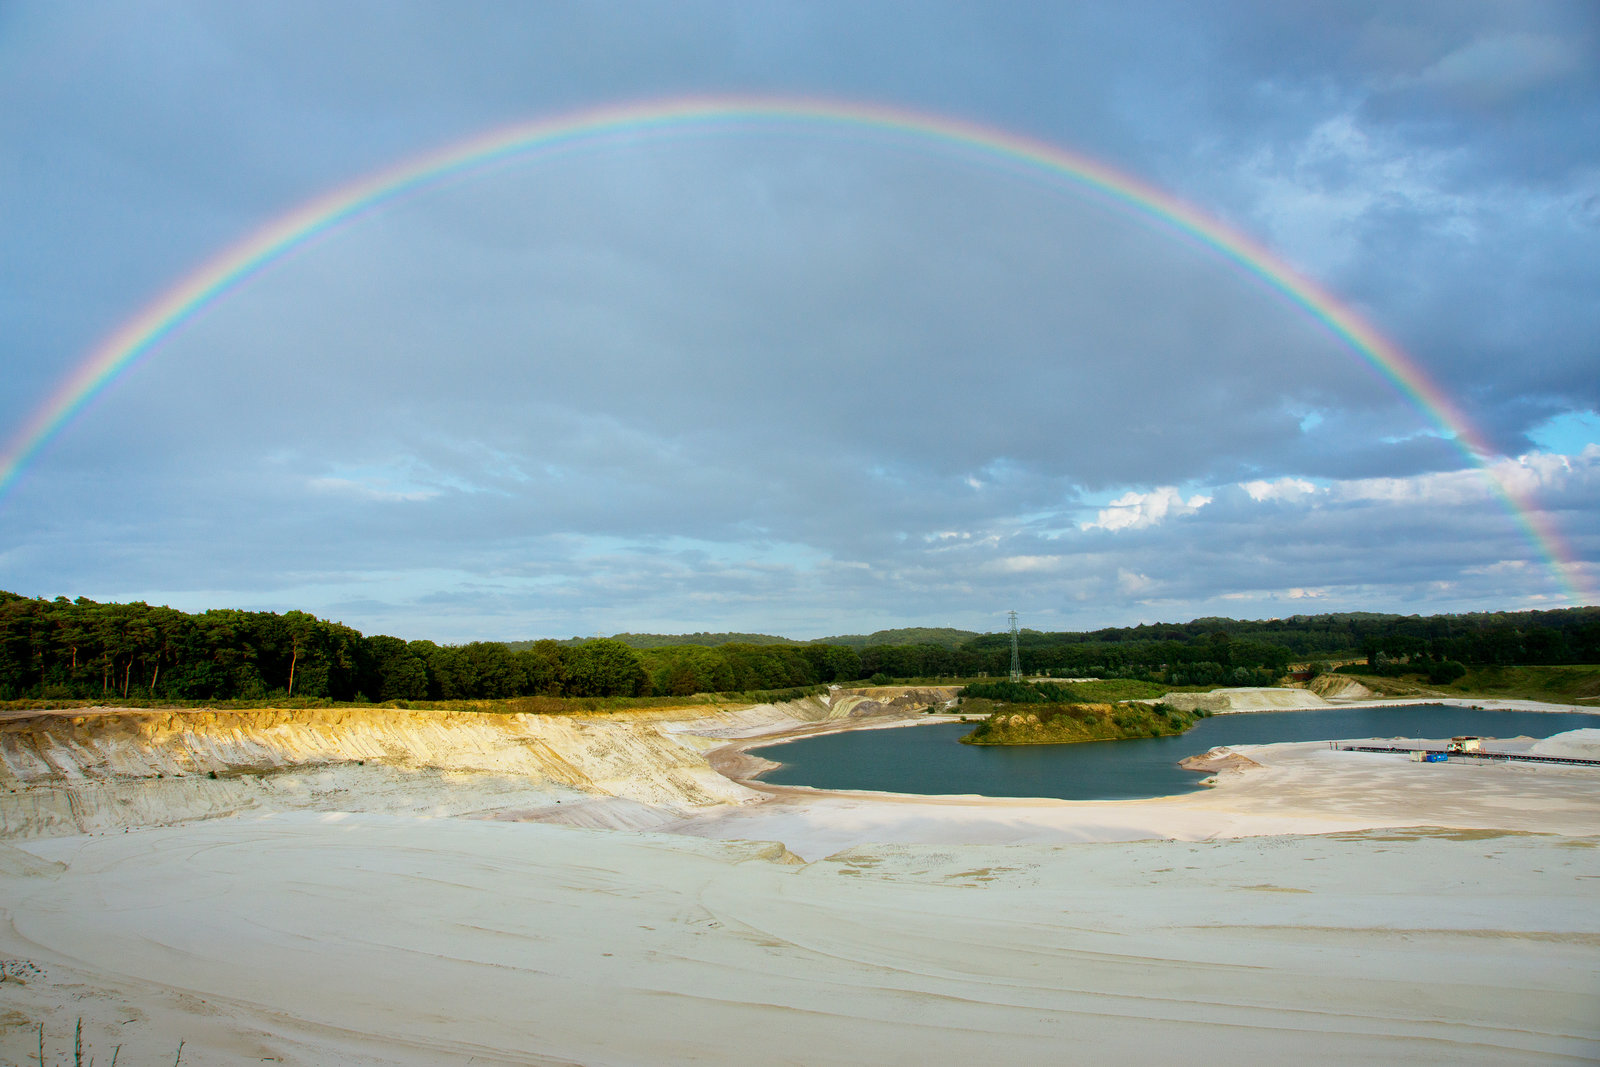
column 1016, row 660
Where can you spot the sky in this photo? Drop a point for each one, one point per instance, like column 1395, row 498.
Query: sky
column 803, row 377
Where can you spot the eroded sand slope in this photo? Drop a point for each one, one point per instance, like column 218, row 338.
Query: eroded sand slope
column 106, row 770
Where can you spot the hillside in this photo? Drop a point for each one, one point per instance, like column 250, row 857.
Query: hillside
column 642, row 641
column 942, row 636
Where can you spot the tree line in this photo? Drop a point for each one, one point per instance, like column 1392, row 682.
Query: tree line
column 80, row 649
column 1565, row 635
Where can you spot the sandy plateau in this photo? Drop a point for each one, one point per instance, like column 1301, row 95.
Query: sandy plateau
column 391, row 886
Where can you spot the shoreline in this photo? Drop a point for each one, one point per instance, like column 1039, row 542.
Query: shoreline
column 1296, row 788
column 734, row 760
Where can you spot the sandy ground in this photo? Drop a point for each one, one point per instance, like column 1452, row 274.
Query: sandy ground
column 1342, row 907
column 302, row 938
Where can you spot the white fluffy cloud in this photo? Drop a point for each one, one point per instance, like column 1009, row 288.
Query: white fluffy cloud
column 1136, row 511
column 1279, row 489
column 1524, row 478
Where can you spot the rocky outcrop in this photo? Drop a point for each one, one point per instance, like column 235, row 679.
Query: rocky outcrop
column 893, row 700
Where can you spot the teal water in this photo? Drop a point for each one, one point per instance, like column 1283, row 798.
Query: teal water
column 930, row 759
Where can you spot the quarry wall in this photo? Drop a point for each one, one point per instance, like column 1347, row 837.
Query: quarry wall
column 110, row 769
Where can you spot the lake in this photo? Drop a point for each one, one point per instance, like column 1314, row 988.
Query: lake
column 930, row 759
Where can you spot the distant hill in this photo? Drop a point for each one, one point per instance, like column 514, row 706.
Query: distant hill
column 1335, row 635
column 943, row 636
column 670, row 640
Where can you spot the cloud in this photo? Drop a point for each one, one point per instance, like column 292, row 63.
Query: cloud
column 1319, row 196
column 1132, row 584
column 1028, row 564
column 781, row 378
column 1137, row 511
column 1494, row 68
column 1281, row 489
column 1526, row 477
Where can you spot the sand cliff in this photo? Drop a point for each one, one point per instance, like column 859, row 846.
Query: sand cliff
column 109, row 769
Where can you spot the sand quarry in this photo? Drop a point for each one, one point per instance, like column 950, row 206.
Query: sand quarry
column 388, row 886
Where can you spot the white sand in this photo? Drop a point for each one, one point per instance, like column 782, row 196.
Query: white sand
column 1582, row 744
column 982, row 931
column 312, row 939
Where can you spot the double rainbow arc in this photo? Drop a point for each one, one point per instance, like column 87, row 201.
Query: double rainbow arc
column 237, row 264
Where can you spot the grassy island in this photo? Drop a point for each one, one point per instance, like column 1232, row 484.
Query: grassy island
column 1061, row 724
column 1046, row 713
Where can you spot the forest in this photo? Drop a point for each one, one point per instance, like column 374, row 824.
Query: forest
column 81, row 649
column 84, row 650
column 1210, row 650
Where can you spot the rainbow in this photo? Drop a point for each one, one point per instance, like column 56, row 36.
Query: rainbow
column 237, row 264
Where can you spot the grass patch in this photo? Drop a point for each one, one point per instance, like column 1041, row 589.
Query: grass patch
column 1557, row 685
column 527, row 705
column 1111, row 690
column 1574, row 684
column 166, row 703
column 1093, row 691
column 548, row 705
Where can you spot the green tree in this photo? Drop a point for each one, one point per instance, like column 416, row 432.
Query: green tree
column 450, row 674
column 603, row 668
column 397, row 672
column 494, row 668
column 300, row 637
column 543, row 668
